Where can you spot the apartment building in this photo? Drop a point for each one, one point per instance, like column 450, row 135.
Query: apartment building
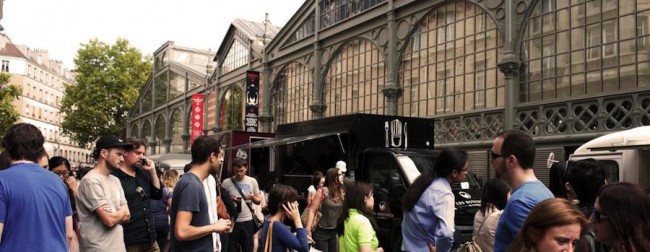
column 43, row 82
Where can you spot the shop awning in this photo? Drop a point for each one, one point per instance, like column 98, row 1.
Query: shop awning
column 283, row 141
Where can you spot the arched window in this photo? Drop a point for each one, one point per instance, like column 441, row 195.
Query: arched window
column 159, row 134
column 134, row 131
column 176, row 131
column 231, row 109
column 354, row 80
column 292, row 92
column 450, row 63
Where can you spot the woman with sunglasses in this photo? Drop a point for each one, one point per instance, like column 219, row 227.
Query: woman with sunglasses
column 61, row 167
column 552, row 225
column 621, row 217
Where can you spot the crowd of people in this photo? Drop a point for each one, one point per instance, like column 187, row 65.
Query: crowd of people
column 125, row 204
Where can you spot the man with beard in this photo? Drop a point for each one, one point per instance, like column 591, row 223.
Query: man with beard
column 513, row 154
column 141, row 184
column 101, row 203
column 190, row 215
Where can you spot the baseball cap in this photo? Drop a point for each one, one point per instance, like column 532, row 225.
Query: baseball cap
column 111, row 141
column 341, row 166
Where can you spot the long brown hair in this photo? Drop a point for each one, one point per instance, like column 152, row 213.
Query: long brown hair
column 333, row 184
column 553, row 212
column 627, row 207
column 169, row 178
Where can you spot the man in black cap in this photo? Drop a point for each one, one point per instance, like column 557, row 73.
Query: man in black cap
column 101, row 203
column 141, row 184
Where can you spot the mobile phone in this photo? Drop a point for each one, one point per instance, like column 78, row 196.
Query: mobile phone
column 143, row 162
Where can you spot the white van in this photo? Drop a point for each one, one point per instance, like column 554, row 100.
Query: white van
column 624, row 154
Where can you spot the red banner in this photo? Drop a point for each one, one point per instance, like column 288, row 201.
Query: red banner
column 197, row 117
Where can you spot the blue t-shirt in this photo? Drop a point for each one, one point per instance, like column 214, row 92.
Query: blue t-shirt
column 159, row 208
column 523, row 199
column 34, row 203
column 190, row 196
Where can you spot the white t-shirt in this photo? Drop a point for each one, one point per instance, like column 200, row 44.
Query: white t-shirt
column 247, row 185
column 210, row 187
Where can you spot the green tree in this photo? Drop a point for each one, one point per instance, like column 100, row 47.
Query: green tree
column 8, row 93
column 108, row 83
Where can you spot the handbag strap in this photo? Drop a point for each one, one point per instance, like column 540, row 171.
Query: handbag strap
column 482, row 223
column 248, row 204
column 268, row 244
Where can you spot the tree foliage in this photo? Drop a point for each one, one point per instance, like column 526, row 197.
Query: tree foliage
column 108, row 83
column 8, row 93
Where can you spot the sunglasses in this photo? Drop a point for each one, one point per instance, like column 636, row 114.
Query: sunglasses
column 598, row 216
column 494, row 155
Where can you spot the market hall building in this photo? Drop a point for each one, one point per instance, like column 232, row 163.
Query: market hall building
column 564, row 71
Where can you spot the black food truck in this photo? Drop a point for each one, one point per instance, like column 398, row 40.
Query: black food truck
column 389, row 152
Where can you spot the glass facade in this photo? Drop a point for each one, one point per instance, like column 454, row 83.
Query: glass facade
column 176, row 131
column 146, row 103
column 450, row 64
column 355, row 79
column 146, row 131
column 583, row 48
column 334, row 11
column 134, row 130
column 237, row 56
column 176, row 84
column 231, row 116
column 306, row 29
column 292, row 92
column 159, row 134
column 160, row 86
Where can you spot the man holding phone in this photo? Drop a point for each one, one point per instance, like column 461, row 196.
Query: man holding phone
column 243, row 230
column 141, row 184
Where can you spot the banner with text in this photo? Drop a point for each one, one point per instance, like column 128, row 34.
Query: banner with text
column 197, row 117
column 252, row 100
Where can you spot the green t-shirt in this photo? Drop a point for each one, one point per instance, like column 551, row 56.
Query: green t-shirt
column 358, row 232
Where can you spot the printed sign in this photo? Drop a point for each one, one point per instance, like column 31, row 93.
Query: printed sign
column 197, row 117
column 252, row 101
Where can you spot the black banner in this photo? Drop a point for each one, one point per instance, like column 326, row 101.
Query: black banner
column 252, row 100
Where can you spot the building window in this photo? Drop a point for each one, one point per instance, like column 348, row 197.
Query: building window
column 237, row 56
column 334, row 11
column 355, row 79
column 595, row 47
column 5, row 66
column 292, row 92
column 450, row 65
column 231, row 114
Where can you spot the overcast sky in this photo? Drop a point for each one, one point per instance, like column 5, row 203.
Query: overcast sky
column 60, row 26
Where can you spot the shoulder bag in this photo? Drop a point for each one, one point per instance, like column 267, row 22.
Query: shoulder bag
column 317, row 216
column 258, row 223
column 471, row 246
